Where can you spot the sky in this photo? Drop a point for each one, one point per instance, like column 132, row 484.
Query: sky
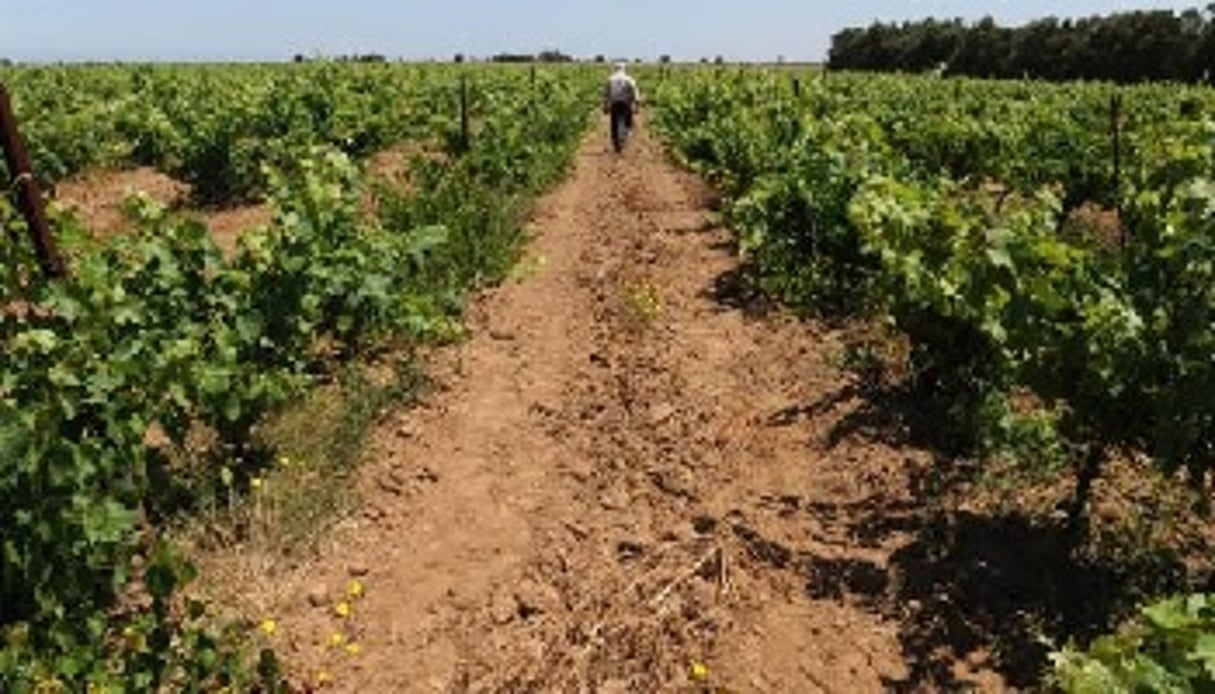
column 71, row 30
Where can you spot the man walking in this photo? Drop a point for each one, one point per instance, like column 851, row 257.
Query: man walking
column 620, row 97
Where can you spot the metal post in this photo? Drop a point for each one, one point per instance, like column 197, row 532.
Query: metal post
column 531, row 95
column 1116, row 135
column 465, row 141
column 29, row 198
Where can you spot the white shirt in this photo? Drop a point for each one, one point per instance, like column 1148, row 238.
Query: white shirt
column 621, row 89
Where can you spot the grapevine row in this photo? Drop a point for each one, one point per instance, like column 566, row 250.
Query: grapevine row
column 157, row 334
column 951, row 210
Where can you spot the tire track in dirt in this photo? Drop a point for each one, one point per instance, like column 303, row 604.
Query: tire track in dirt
column 622, row 479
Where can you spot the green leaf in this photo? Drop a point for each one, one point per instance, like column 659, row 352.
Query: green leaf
column 38, row 341
column 1204, row 653
column 250, row 327
column 214, row 380
column 233, row 408
column 1168, row 616
column 999, row 257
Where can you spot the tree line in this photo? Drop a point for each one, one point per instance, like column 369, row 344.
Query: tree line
column 1124, row 47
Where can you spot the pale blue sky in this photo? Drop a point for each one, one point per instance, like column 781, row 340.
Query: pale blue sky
column 276, row 29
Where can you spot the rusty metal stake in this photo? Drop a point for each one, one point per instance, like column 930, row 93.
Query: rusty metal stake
column 1116, row 135
column 465, row 138
column 29, row 198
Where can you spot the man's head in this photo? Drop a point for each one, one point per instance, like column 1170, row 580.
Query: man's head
column 620, row 66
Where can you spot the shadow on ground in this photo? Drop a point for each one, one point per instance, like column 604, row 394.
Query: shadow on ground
column 737, row 290
column 990, row 590
column 969, row 589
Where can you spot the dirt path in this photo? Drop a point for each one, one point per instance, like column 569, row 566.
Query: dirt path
column 627, row 476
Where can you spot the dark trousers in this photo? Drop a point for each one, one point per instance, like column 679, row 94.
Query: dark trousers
column 622, row 113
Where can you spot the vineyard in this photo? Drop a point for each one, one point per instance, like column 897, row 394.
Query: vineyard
column 157, row 335
column 1027, row 269
column 951, row 208
column 1041, row 255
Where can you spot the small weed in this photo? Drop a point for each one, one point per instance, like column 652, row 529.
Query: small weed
column 644, row 303
column 527, row 268
column 317, row 443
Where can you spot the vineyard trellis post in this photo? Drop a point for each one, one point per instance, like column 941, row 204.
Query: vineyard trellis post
column 1116, row 138
column 25, row 187
column 465, row 141
column 531, row 95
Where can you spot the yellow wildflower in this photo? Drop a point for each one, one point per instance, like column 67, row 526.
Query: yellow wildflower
column 700, row 671
column 269, row 627
column 354, row 649
column 355, row 589
column 336, row 639
column 343, row 610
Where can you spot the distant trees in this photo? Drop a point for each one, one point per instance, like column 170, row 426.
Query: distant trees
column 513, row 58
column 353, row 58
column 554, row 56
column 1122, row 47
column 363, row 58
column 545, row 56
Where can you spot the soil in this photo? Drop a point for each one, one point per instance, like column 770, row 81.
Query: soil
column 631, row 479
column 392, row 165
column 1092, row 225
column 98, row 198
column 228, row 224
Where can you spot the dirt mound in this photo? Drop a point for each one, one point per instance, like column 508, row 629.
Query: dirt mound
column 227, row 225
column 1092, row 225
column 98, row 198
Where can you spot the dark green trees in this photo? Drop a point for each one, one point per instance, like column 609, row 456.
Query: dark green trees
column 1126, row 47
